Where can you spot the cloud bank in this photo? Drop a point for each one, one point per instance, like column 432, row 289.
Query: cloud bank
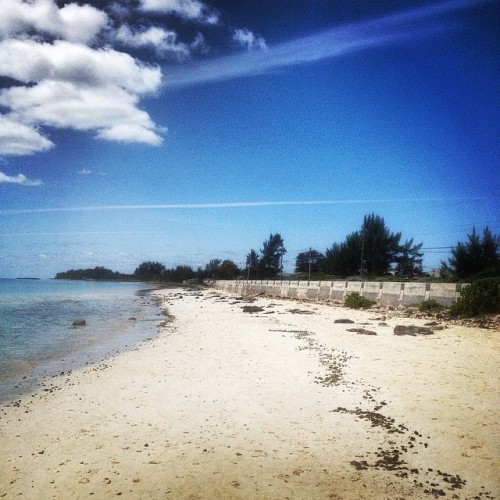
column 73, row 66
column 64, row 79
column 86, row 66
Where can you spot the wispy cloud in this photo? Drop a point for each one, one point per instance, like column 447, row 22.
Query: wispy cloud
column 77, row 233
column 84, row 171
column 247, row 39
column 20, row 179
column 192, row 10
column 335, row 42
column 164, row 42
column 228, row 205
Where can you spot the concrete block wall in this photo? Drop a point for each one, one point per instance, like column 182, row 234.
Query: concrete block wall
column 390, row 293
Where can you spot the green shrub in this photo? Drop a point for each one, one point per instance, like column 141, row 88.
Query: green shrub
column 430, row 306
column 480, row 297
column 356, row 301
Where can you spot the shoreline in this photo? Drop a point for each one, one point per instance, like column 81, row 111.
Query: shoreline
column 109, row 336
column 279, row 403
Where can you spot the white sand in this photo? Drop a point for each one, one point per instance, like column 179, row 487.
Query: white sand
column 274, row 405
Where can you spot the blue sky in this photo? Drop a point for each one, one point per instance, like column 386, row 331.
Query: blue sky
column 183, row 131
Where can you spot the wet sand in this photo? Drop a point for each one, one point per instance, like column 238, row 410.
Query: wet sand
column 266, row 400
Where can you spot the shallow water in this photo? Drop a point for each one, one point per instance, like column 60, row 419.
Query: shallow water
column 37, row 337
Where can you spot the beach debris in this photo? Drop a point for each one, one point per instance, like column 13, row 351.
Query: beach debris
column 392, row 457
column 244, row 299
column 412, row 330
column 362, row 465
column 344, row 321
column 79, row 322
column 252, row 309
column 333, row 360
column 362, row 331
column 376, row 419
column 300, row 311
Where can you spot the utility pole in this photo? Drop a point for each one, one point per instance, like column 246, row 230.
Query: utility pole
column 309, row 264
column 363, row 247
column 281, row 266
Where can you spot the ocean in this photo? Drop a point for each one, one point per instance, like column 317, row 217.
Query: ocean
column 37, row 336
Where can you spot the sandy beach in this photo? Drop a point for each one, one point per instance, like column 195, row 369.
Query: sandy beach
column 270, row 399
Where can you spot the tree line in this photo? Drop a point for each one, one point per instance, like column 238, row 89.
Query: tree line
column 372, row 250
column 266, row 264
column 98, row 273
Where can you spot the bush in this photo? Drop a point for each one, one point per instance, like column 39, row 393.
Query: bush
column 430, row 306
column 356, row 301
column 480, row 297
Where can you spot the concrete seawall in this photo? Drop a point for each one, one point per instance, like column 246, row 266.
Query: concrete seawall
column 390, row 293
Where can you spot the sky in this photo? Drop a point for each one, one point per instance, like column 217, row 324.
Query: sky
column 182, row 131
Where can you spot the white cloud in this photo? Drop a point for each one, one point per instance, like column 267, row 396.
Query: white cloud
column 20, row 179
column 248, row 40
column 131, row 133
column 193, row 10
column 29, row 61
column 165, row 43
column 17, row 139
column 66, row 82
column 78, row 23
column 80, row 88
column 110, row 110
column 84, row 171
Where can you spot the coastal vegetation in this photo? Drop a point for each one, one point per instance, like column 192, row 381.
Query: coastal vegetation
column 430, row 305
column 373, row 250
column 480, row 297
column 270, row 263
column 97, row 273
column 475, row 258
column 356, row 301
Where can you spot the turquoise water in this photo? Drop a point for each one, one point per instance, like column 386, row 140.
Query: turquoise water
column 37, row 337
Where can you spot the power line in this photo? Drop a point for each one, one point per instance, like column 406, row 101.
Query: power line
column 436, row 248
